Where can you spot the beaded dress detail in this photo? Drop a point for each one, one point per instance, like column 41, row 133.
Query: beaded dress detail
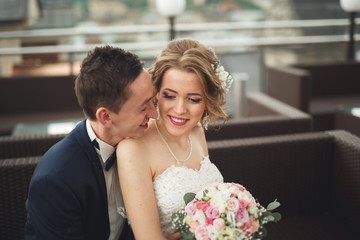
column 171, row 186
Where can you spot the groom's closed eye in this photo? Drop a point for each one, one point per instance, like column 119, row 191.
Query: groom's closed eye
column 145, row 107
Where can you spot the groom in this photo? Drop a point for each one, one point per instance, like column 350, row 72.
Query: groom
column 74, row 192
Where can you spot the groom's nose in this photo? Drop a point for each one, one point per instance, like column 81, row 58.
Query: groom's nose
column 152, row 113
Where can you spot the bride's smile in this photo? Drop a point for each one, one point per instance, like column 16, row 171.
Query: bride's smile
column 178, row 121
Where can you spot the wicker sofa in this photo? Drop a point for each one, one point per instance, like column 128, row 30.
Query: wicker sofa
column 315, row 176
column 317, row 88
column 36, row 99
column 265, row 116
column 15, row 176
column 26, row 146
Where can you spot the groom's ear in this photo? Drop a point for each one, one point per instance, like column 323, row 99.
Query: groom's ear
column 157, row 96
column 104, row 117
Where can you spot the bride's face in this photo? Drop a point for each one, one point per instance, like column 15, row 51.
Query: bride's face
column 181, row 101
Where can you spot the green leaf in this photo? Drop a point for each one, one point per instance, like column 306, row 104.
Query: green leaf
column 273, row 205
column 277, row 216
column 265, row 214
column 263, row 232
column 187, row 235
column 188, row 197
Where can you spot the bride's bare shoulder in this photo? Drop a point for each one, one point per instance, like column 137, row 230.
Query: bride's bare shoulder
column 136, row 146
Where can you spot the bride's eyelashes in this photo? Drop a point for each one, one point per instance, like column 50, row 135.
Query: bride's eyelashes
column 166, row 95
column 194, row 100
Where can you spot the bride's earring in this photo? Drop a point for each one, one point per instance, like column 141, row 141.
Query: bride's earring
column 205, row 121
column 158, row 112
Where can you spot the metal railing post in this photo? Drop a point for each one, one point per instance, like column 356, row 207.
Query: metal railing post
column 239, row 86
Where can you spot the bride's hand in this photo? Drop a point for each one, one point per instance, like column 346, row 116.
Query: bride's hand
column 174, row 236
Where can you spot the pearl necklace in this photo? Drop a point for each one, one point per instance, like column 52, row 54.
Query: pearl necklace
column 167, row 145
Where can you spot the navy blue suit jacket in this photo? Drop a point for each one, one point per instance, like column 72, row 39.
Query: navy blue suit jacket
column 67, row 193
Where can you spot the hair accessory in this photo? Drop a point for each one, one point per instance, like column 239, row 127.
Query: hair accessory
column 224, row 77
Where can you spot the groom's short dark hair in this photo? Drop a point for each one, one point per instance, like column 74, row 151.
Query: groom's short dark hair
column 104, row 79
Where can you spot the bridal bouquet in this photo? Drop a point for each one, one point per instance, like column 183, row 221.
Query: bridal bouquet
column 223, row 211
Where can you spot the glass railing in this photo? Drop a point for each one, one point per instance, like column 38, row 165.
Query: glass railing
column 278, row 42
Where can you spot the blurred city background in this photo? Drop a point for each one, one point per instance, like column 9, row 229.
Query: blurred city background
column 51, row 37
column 227, row 25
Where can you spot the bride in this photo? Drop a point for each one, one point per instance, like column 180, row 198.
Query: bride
column 172, row 159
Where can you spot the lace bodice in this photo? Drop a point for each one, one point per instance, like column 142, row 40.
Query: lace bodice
column 171, row 186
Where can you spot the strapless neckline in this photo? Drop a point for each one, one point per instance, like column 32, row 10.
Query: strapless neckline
column 184, row 167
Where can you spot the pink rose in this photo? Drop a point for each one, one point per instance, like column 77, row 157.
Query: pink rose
column 243, row 227
column 202, row 206
column 242, row 203
column 242, row 215
column 252, row 202
column 201, row 233
column 190, row 209
column 219, row 223
column 252, row 226
column 212, row 212
column 209, row 221
column 233, row 205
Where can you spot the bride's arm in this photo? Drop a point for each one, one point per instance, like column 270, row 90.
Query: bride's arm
column 137, row 190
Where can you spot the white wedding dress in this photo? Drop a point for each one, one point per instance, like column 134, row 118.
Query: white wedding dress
column 171, row 186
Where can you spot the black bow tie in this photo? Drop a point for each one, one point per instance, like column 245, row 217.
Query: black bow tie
column 111, row 159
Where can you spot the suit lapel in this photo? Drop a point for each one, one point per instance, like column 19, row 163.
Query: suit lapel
column 88, row 148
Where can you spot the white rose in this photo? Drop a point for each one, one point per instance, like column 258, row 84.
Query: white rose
column 222, row 186
column 212, row 192
column 200, row 217
column 212, row 232
column 244, row 196
column 230, row 216
column 218, row 202
column 219, row 224
column 239, row 235
column 253, row 210
column 235, row 190
column 200, row 194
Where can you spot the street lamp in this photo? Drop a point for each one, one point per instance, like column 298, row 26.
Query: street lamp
column 351, row 6
column 170, row 9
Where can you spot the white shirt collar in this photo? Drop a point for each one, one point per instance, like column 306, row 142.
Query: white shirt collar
column 105, row 149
